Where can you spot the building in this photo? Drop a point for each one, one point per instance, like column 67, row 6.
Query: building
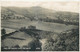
column 31, row 27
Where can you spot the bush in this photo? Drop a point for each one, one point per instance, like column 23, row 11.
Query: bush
column 67, row 41
column 35, row 44
column 3, row 31
column 22, row 29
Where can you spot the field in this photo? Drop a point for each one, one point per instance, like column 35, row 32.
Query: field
column 45, row 30
column 47, row 26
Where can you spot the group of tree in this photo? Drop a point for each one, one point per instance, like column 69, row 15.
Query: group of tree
column 67, row 41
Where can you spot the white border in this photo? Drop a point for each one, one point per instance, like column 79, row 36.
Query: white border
column 40, row 1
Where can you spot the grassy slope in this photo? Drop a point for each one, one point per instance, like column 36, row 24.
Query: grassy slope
column 54, row 27
column 17, row 39
column 38, row 13
column 23, row 38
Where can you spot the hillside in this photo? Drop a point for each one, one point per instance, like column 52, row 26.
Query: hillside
column 30, row 32
column 66, row 41
column 39, row 13
column 23, row 38
column 46, row 26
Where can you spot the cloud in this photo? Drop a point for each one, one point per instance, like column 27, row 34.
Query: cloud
column 61, row 6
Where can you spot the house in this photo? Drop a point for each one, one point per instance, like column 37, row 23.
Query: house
column 31, row 27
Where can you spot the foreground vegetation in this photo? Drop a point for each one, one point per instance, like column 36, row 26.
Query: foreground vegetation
column 66, row 41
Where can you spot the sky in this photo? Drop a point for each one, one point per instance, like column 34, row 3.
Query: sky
column 59, row 6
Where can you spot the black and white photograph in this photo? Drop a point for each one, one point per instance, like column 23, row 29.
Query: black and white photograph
column 39, row 26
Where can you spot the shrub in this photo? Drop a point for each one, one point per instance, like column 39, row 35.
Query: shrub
column 3, row 31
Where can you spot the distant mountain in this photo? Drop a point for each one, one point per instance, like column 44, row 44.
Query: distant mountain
column 30, row 12
column 39, row 13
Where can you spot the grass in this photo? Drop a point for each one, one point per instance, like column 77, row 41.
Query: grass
column 54, row 27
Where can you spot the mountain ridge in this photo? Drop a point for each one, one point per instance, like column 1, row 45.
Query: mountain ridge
column 39, row 13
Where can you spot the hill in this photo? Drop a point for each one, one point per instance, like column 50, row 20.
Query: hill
column 22, row 38
column 39, row 13
column 66, row 41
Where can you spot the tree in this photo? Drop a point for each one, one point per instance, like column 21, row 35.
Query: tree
column 16, row 46
column 35, row 44
column 31, row 27
column 3, row 31
column 49, row 45
column 22, row 28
